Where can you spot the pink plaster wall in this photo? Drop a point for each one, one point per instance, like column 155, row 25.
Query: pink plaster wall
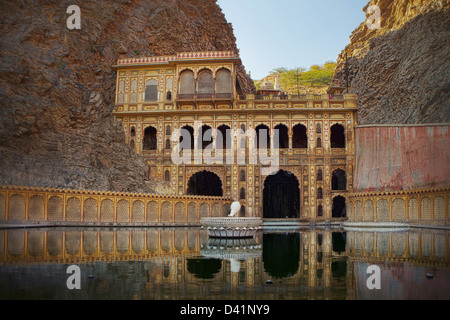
column 396, row 157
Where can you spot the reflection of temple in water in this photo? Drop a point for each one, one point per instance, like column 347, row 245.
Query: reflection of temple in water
column 172, row 264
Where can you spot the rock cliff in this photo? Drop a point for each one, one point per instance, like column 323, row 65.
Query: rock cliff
column 57, row 85
column 400, row 71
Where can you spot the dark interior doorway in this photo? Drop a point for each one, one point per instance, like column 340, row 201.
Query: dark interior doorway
column 205, row 183
column 281, row 196
column 339, row 208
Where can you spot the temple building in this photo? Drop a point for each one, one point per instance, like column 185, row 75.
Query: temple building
column 281, row 156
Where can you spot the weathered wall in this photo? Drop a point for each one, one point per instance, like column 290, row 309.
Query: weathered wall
column 57, row 86
column 400, row 71
column 401, row 157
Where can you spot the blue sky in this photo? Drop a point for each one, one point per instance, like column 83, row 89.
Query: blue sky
column 291, row 33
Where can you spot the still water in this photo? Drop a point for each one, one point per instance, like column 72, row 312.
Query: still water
column 184, row 264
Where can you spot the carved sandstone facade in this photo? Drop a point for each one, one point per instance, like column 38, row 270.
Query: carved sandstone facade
column 157, row 97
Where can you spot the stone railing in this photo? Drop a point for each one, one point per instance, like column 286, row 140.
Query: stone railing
column 34, row 205
column 427, row 206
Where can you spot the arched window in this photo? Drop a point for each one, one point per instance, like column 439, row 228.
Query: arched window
column 187, row 83
column 205, row 83
column 318, row 128
column 150, row 138
column 133, row 132
column 319, row 211
column 319, row 175
column 319, row 193
column 223, row 138
column 187, row 138
column 262, row 136
column 299, row 137
column 339, row 180
column 167, row 175
column 319, row 143
column 169, row 95
column 151, row 90
column 224, row 84
column 205, row 137
column 282, row 136
column 242, row 193
column 242, row 211
column 167, row 144
column 337, row 138
column 168, row 130
column 242, row 175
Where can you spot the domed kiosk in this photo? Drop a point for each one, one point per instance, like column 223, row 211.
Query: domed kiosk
column 231, row 226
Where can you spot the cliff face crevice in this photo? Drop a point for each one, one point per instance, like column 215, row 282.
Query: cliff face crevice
column 57, row 85
column 401, row 70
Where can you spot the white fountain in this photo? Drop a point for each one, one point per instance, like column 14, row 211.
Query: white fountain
column 231, row 226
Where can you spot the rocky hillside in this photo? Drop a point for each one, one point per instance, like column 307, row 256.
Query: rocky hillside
column 401, row 70
column 57, row 86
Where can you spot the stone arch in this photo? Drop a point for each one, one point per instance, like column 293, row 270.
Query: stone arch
column 36, row 208
column 382, row 210
column 204, row 210
column 138, row 214
column 439, row 209
column 281, row 136
column 223, row 137
column 179, row 212
column 281, row 195
column 205, row 137
column 339, row 208
column 413, row 209
column 398, row 210
column 107, row 210
column 425, row 208
column 150, row 140
column 339, row 180
column 123, row 211
column 224, row 83
column 186, row 82
column 262, row 136
column 90, row 210
column 216, row 210
column 152, row 211
column 358, row 211
column 205, row 183
column 151, row 90
column 73, row 209
column 192, row 212
column 186, row 140
column 17, row 207
column 337, row 136
column 242, row 194
column 205, row 83
column 55, row 209
column 299, row 136
column 368, row 210
column 166, row 212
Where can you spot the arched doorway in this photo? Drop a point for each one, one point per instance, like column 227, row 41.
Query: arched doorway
column 339, row 209
column 281, row 196
column 205, row 183
column 337, row 137
column 338, row 180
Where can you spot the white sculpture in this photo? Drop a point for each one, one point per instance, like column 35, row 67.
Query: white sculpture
column 235, row 207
